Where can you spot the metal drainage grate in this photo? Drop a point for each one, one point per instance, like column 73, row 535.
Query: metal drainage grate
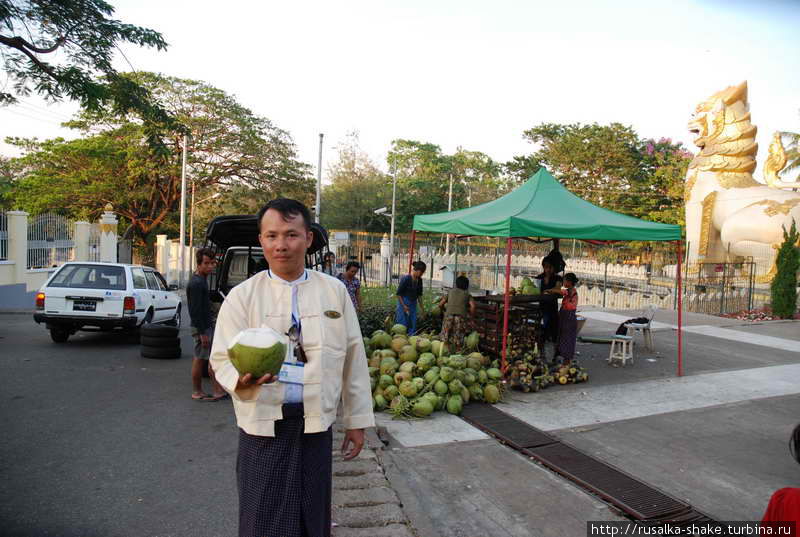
column 514, row 432
column 639, row 500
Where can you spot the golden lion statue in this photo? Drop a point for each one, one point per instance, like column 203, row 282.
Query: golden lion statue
column 728, row 213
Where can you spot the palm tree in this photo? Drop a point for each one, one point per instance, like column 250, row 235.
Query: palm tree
column 791, row 142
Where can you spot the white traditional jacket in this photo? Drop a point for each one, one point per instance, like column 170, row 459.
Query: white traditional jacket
column 337, row 364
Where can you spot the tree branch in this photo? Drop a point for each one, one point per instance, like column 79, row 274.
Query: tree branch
column 13, row 43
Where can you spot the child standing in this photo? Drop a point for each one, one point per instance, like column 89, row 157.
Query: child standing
column 456, row 323
column 567, row 322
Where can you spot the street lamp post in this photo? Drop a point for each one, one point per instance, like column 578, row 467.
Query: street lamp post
column 183, row 210
column 191, row 215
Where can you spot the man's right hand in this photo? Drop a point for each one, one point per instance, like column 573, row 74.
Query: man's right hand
column 204, row 340
column 248, row 381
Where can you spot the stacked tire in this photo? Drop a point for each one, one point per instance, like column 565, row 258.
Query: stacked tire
column 160, row 341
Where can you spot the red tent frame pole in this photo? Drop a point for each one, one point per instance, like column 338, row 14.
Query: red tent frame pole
column 504, row 361
column 411, row 250
column 680, row 311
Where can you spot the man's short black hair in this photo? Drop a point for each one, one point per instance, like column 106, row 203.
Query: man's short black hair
column 289, row 208
column 462, row 282
column 203, row 252
column 419, row 265
column 351, row 264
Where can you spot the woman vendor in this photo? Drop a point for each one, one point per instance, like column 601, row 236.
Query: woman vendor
column 456, row 323
column 550, row 282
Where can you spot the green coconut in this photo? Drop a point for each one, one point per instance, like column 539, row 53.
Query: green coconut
column 385, row 381
column 423, row 344
column 460, row 375
column 401, row 376
column 408, row 354
column 476, row 392
column 440, row 387
column 431, row 375
column 455, row 386
column 491, row 394
column 439, row 348
column 390, row 392
column 258, row 351
column 413, row 340
column 432, row 397
column 380, row 340
column 419, row 383
column 375, row 359
column 483, row 377
column 374, row 371
column 474, row 361
column 441, row 361
column 469, row 379
column 388, row 366
column 454, row 404
column 373, row 383
column 422, row 407
column 399, row 329
column 471, row 341
column 447, row 374
column 398, row 343
column 398, row 400
column 407, row 388
column 494, row 374
column 457, row 361
column 465, row 395
column 388, row 353
column 425, row 361
column 379, row 402
column 408, row 367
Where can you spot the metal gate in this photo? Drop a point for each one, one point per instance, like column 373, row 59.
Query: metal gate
column 50, row 241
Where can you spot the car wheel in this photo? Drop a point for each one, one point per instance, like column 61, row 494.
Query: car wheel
column 176, row 319
column 59, row 335
column 170, row 353
column 160, row 342
column 159, row 330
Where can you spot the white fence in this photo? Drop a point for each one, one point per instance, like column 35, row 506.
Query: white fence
column 33, row 246
column 3, row 236
column 50, row 241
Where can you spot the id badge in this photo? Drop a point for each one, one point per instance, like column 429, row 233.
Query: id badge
column 291, row 373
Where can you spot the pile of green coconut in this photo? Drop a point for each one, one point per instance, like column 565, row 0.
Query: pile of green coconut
column 416, row 376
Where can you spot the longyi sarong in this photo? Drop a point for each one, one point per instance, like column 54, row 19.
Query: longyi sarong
column 567, row 333
column 284, row 481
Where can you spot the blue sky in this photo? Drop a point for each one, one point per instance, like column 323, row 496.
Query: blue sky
column 467, row 73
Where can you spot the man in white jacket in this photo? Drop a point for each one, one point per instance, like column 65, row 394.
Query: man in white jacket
column 285, row 441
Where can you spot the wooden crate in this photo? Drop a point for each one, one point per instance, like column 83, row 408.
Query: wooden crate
column 524, row 321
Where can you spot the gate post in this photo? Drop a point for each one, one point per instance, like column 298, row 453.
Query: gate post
column 18, row 243
column 80, row 241
column 108, row 235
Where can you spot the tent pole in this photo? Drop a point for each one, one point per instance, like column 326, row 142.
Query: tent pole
column 680, row 311
column 504, row 363
column 411, row 249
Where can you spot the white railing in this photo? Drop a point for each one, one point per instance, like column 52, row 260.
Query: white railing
column 3, row 236
column 94, row 242
column 50, row 241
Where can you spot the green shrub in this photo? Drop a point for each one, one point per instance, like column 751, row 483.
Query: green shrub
column 784, row 285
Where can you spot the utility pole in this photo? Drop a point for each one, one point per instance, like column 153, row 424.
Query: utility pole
column 391, row 230
column 183, row 211
column 319, row 181
column 449, row 208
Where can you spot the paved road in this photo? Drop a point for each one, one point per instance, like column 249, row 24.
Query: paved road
column 99, row 442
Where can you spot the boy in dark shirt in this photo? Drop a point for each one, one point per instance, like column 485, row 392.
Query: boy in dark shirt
column 408, row 294
column 199, row 300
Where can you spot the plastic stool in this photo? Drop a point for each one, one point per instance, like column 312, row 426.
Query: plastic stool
column 621, row 349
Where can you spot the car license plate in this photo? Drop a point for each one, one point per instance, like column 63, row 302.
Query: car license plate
column 84, row 305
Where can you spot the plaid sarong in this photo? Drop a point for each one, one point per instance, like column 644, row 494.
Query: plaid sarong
column 285, row 481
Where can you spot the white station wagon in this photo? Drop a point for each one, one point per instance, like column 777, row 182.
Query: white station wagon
column 104, row 296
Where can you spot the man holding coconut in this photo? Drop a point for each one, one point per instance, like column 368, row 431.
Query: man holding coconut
column 285, row 415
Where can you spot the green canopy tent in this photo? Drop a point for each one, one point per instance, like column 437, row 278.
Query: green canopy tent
column 543, row 208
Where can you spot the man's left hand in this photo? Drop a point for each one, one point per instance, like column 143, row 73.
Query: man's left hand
column 353, row 442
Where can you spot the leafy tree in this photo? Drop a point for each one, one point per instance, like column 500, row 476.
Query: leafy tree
column 784, row 286
column 424, row 174
column 357, row 188
column 232, row 151
column 65, row 49
column 610, row 166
